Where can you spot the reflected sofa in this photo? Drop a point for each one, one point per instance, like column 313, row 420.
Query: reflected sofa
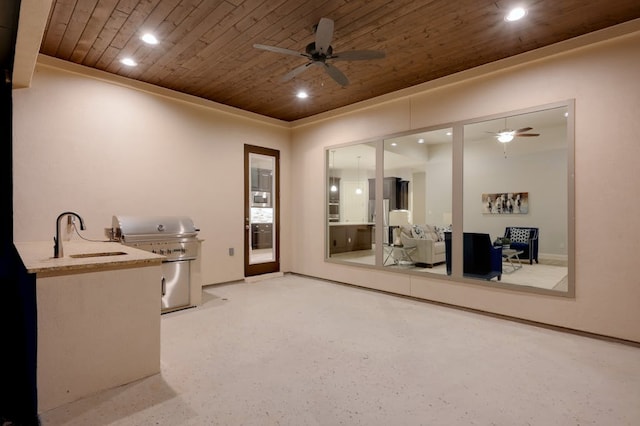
column 481, row 259
column 428, row 241
column 525, row 239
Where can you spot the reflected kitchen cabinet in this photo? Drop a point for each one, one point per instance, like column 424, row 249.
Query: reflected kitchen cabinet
column 344, row 238
column 394, row 189
column 261, row 236
column 261, row 179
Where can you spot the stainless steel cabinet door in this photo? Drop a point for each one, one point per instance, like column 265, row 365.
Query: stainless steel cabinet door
column 175, row 284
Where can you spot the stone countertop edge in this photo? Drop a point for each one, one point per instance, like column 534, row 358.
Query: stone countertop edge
column 37, row 257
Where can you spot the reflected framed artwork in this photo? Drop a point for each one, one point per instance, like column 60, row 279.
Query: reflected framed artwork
column 505, row 203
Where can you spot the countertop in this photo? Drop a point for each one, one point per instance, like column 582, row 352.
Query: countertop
column 37, row 256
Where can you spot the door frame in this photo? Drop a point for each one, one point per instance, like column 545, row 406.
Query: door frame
column 266, row 267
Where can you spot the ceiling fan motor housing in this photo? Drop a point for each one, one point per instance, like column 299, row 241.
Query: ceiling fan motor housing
column 320, row 50
column 317, row 55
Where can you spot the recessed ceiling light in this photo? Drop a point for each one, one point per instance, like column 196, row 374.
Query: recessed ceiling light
column 420, row 140
column 515, row 14
column 129, row 62
column 149, row 38
column 566, row 114
column 302, row 95
column 448, row 133
column 394, row 144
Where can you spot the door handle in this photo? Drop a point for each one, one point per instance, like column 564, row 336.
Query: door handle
column 164, row 286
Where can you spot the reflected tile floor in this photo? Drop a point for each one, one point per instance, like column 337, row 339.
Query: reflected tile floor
column 545, row 275
column 300, row 351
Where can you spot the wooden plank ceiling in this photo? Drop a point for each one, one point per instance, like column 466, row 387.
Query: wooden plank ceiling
column 206, row 46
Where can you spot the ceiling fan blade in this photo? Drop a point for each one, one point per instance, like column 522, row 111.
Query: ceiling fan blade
column 358, row 55
column 336, row 74
column 296, row 71
column 324, row 35
column 527, row 134
column 279, row 50
column 524, row 129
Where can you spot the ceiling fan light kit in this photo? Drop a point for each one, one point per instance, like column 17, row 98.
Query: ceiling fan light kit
column 320, row 51
column 506, row 135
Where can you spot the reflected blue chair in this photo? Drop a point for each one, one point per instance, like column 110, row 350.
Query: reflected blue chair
column 480, row 258
column 524, row 239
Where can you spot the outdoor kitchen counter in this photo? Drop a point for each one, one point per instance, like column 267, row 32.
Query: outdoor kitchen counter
column 98, row 318
column 37, row 257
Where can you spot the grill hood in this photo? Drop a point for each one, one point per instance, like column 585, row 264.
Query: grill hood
column 130, row 228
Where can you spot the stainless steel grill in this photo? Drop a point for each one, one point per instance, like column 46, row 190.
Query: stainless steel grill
column 174, row 237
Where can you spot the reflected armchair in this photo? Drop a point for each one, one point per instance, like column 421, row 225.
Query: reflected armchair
column 524, row 239
column 480, row 258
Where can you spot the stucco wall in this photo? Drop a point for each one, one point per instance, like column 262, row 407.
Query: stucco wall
column 602, row 78
column 98, row 148
column 104, row 149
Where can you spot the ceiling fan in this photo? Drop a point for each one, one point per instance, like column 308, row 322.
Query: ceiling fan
column 506, row 135
column 318, row 52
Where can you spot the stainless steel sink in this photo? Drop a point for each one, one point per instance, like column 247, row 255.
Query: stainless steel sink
column 107, row 253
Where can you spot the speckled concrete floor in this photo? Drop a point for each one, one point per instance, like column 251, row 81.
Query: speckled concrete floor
column 298, row 351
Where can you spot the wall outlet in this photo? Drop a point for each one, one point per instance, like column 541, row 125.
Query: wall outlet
column 231, row 251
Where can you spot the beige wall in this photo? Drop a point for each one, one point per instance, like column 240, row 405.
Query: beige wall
column 99, row 149
column 603, row 80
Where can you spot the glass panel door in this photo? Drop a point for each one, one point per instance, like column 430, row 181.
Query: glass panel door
column 261, row 211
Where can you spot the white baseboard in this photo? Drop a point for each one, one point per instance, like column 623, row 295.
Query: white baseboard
column 548, row 256
column 553, row 259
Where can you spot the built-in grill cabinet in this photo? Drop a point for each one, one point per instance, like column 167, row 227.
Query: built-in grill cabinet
column 174, row 237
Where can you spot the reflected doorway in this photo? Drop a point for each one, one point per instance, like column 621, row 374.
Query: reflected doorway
column 262, row 225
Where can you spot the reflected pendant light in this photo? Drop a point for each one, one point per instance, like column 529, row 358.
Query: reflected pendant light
column 334, row 188
column 358, row 189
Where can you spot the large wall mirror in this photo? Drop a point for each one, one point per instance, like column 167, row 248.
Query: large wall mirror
column 391, row 203
column 351, row 223
column 516, row 193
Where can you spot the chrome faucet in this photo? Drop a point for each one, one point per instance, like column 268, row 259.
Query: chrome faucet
column 57, row 248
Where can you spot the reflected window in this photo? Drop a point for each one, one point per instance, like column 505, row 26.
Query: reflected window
column 415, row 189
column 515, row 199
column 506, row 179
column 416, row 200
column 351, row 227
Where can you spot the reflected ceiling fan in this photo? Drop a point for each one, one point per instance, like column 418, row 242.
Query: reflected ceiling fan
column 506, row 135
column 320, row 51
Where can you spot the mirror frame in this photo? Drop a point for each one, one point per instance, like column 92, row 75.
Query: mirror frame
column 457, row 200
